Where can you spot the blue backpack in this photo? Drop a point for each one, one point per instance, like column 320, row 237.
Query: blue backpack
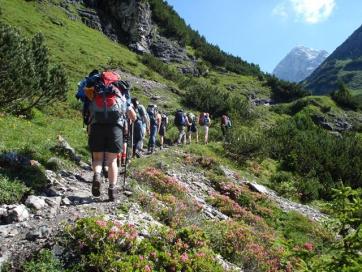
column 180, row 119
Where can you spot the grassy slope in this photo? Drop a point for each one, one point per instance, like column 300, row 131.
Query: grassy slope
column 79, row 49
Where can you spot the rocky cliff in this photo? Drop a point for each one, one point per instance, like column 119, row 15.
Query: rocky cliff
column 299, row 63
column 130, row 22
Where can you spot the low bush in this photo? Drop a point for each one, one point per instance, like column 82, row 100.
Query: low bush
column 343, row 98
column 11, row 191
column 99, row 245
column 322, row 159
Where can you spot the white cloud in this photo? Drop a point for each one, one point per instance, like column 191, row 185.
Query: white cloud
column 309, row 11
column 281, row 10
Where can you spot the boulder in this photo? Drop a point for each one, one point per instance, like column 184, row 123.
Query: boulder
column 17, row 213
column 40, row 233
column 35, row 202
column 64, row 147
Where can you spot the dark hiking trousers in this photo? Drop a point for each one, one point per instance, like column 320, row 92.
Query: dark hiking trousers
column 153, row 134
column 137, row 135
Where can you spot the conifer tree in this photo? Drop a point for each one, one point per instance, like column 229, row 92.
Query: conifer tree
column 26, row 80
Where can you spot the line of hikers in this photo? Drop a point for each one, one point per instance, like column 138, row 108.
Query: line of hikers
column 116, row 122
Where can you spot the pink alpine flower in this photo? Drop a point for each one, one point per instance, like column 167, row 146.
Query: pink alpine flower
column 184, row 257
column 308, row 246
column 101, row 223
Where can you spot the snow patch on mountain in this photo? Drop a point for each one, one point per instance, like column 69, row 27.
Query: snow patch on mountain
column 299, row 63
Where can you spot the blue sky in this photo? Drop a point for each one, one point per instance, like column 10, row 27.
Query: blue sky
column 264, row 31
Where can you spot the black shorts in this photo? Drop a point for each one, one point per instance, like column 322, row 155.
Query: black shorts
column 105, row 138
column 162, row 131
column 192, row 128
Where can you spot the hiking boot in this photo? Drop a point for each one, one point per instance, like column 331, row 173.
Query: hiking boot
column 138, row 154
column 96, row 185
column 112, row 193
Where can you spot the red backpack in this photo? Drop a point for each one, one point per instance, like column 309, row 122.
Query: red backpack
column 109, row 104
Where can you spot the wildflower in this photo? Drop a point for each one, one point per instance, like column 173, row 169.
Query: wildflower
column 101, row 223
column 200, row 254
column 112, row 236
column 147, row 268
column 184, row 257
column 308, row 246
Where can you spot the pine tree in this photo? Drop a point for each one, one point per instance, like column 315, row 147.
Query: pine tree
column 26, row 80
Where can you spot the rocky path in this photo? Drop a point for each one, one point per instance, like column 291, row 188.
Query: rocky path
column 35, row 224
column 27, row 228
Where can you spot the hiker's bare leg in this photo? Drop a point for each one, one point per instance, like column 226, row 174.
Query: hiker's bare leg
column 197, row 136
column 161, row 140
column 112, row 168
column 206, row 134
column 190, row 137
column 97, row 162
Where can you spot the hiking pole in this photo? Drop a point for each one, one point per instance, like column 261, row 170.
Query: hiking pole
column 127, row 154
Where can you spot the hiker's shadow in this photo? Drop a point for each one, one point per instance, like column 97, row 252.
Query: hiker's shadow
column 81, row 200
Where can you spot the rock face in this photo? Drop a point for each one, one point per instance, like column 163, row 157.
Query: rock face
column 299, row 63
column 130, row 22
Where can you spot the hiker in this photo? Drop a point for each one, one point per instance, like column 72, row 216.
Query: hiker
column 225, row 124
column 192, row 127
column 181, row 122
column 155, row 124
column 108, row 113
column 81, row 95
column 142, row 119
column 163, row 128
column 205, row 122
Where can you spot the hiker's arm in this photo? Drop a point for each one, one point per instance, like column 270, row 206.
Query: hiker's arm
column 131, row 114
column 146, row 120
column 159, row 120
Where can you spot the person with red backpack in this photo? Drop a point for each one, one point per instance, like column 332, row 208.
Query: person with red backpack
column 205, row 122
column 109, row 114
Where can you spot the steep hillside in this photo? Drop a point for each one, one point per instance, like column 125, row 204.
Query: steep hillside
column 299, row 63
column 249, row 201
column 344, row 65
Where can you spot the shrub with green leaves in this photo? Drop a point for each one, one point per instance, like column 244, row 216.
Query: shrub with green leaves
column 45, row 261
column 99, row 245
column 11, row 191
column 343, row 97
column 27, row 80
column 321, row 158
column 216, row 101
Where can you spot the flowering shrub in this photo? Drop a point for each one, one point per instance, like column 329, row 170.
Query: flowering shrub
column 160, row 182
column 170, row 210
column 241, row 245
column 231, row 208
column 99, row 245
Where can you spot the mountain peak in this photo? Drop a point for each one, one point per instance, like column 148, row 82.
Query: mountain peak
column 300, row 62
